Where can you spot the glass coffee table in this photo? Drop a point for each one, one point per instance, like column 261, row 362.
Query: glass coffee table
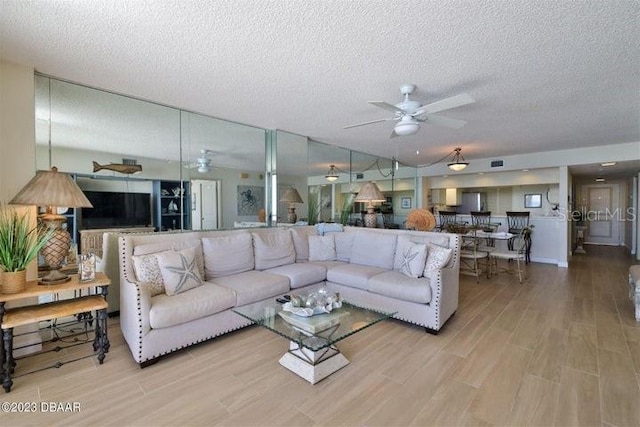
column 312, row 354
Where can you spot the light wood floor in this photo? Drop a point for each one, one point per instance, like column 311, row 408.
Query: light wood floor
column 561, row 349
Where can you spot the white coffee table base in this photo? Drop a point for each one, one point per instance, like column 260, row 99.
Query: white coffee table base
column 313, row 366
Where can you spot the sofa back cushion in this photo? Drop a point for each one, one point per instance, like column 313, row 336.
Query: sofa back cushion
column 373, row 249
column 226, row 255
column 273, row 249
column 344, row 243
column 300, row 236
column 322, row 248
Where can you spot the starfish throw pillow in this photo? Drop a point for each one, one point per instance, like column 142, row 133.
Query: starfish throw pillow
column 179, row 270
column 410, row 258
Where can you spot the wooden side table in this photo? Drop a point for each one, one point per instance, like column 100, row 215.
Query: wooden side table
column 13, row 317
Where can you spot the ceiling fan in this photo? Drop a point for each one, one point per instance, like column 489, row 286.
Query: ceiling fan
column 409, row 113
column 202, row 163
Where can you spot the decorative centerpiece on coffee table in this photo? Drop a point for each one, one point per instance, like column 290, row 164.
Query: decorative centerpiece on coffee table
column 318, row 302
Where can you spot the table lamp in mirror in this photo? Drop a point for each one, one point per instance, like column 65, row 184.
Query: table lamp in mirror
column 370, row 193
column 292, row 197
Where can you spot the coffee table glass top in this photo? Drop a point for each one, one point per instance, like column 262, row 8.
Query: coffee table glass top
column 315, row 332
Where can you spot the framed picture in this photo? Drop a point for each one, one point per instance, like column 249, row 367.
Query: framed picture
column 405, row 202
column 533, row 200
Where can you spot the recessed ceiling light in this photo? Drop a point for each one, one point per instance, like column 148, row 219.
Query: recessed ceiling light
column 480, row 173
column 444, row 176
column 525, row 170
column 417, row 152
column 608, row 164
column 600, row 179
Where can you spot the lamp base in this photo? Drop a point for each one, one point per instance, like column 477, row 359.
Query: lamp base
column 55, row 250
column 55, row 277
column 370, row 218
column 291, row 216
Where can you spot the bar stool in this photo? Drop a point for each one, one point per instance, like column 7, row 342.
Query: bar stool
column 447, row 219
column 516, row 222
column 481, row 220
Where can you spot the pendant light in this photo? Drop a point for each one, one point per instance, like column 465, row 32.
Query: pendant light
column 457, row 162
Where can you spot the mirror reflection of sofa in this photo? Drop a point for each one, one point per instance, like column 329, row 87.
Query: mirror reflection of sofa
column 248, row 265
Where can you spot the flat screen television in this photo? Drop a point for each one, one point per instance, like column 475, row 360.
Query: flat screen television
column 112, row 210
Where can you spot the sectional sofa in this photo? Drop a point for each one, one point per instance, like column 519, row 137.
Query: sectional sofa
column 179, row 289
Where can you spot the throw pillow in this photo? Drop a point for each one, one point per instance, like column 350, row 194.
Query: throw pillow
column 410, row 257
column 147, row 271
column 322, row 248
column 179, row 270
column 437, row 258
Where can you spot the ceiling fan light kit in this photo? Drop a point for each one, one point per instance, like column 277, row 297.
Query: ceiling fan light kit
column 406, row 126
column 457, row 162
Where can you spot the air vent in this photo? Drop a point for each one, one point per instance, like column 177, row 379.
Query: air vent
column 359, row 175
column 497, row 163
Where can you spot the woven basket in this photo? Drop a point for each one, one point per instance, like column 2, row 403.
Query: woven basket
column 12, row 282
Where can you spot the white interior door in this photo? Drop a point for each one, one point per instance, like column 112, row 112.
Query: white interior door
column 601, row 219
column 205, row 210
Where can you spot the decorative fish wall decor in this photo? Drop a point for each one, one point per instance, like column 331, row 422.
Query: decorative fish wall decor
column 118, row 167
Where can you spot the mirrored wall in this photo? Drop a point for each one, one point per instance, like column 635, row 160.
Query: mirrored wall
column 148, row 165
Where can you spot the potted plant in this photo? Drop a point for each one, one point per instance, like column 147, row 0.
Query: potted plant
column 20, row 243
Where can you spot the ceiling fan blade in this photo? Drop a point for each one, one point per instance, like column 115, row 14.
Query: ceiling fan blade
column 371, row 122
column 386, row 106
column 446, row 104
column 445, row 121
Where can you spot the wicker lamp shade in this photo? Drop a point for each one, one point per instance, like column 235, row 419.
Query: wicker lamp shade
column 421, row 220
column 52, row 188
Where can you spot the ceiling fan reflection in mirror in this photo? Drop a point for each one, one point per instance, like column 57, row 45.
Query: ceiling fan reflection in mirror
column 203, row 163
column 409, row 113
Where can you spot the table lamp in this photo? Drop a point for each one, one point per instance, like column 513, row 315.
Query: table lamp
column 53, row 189
column 370, row 193
column 292, row 197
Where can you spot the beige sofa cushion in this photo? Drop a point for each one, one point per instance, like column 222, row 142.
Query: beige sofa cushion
column 344, row 243
column 374, row 249
column 301, row 273
column 252, row 286
column 273, row 249
column 226, row 255
column 300, row 236
column 193, row 304
column 353, row 275
column 396, row 285
column 322, row 248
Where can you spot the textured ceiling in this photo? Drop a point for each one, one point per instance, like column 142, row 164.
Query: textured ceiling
column 546, row 75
